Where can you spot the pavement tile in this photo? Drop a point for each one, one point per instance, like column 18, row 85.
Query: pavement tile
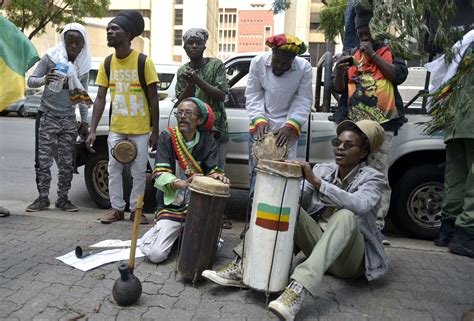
column 7, row 307
column 154, row 313
column 423, row 283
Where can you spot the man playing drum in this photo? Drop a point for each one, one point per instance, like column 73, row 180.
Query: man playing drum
column 183, row 151
column 278, row 95
column 336, row 228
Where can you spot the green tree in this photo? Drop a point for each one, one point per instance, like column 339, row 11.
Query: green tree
column 401, row 23
column 36, row 14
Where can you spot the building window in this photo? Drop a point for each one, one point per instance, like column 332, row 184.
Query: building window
column 314, row 26
column 178, row 17
column 178, row 2
column 178, row 37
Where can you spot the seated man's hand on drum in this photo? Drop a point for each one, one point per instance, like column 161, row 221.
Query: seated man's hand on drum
column 308, row 173
column 260, row 132
column 181, row 184
column 220, row 177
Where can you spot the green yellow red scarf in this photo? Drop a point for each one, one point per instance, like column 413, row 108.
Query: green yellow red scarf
column 185, row 159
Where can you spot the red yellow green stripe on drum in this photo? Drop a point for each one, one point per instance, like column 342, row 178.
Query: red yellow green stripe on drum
column 273, row 217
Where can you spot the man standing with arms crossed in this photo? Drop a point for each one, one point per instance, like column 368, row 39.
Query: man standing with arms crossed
column 131, row 110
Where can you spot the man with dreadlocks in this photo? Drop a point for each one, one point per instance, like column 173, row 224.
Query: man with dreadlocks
column 278, row 95
column 184, row 151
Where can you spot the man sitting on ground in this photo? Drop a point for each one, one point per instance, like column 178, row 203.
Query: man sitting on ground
column 183, row 151
column 336, row 229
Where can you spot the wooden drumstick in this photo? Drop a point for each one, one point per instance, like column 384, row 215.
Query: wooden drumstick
column 136, row 225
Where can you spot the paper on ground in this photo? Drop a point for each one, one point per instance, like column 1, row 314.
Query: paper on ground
column 94, row 260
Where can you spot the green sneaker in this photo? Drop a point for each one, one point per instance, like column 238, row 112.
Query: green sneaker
column 289, row 302
column 229, row 275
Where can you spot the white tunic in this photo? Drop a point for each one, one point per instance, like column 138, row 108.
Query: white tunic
column 279, row 99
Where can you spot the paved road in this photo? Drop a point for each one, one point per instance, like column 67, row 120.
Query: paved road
column 17, row 141
column 17, row 174
column 423, row 283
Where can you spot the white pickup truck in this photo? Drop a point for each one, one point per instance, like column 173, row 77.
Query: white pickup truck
column 416, row 160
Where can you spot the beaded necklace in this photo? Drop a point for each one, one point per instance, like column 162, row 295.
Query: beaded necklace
column 185, row 159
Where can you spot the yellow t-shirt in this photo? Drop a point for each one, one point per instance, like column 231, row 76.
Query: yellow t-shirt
column 130, row 112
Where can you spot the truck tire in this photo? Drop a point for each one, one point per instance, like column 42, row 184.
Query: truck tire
column 97, row 180
column 417, row 199
column 22, row 112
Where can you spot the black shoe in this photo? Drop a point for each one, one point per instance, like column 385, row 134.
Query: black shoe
column 38, row 205
column 445, row 233
column 4, row 212
column 66, row 205
column 462, row 243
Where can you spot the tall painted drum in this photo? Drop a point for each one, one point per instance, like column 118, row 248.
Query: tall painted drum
column 269, row 241
column 203, row 225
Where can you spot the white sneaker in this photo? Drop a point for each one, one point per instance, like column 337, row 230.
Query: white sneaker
column 230, row 275
column 289, row 302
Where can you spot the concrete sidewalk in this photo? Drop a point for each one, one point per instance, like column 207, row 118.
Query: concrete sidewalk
column 424, row 282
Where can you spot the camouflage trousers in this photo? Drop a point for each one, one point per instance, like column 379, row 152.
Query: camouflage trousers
column 56, row 135
column 379, row 161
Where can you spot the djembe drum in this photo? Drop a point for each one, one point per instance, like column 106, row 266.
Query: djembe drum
column 203, row 225
column 124, row 151
column 268, row 245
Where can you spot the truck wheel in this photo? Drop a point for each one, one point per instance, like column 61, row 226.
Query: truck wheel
column 97, row 179
column 22, row 112
column 417, row 199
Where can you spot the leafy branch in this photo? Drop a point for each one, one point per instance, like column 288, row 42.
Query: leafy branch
column 37, row 14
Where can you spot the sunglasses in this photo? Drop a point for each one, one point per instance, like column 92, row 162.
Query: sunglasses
column 336, row 142
column 187, row 113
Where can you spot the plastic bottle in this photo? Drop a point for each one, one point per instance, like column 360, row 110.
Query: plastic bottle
column 61, row 71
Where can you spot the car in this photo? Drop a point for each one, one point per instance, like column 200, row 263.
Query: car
column 416, row 160
column 32, row 102
column 22, row 106
column 17, row 107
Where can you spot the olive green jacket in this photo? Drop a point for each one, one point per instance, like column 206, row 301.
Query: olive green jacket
column 464, row 118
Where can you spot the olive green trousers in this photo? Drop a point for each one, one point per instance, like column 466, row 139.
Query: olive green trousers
column 459, row 183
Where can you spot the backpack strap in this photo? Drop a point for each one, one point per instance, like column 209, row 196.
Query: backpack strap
column 107, row 62
column 141, row 73
column 141, row 78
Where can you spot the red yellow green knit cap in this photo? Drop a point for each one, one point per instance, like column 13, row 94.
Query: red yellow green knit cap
column 289, row 43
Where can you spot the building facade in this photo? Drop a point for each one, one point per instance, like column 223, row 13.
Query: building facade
column 243, row 26
column 302, row 20
column 171, row 19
